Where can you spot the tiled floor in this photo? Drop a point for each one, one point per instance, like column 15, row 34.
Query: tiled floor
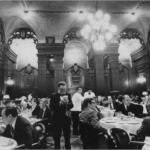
column 76, row 143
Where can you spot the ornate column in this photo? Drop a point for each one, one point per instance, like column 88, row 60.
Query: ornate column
column 47, row 82
column 2, row 70
column 99, row 73
column 42, row 69
column 114, row 72
column 113, row 61
column 147, row 74
column 90, row 76
column 58, row 70
column 132, row 81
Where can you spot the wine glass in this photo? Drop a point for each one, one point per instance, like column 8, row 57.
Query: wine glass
column 130, row 114
column 118, row 114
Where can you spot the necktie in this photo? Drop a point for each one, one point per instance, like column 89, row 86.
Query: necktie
column 111, row 106
column 62, row 94
column 127, row 108
column 43, row 113
column 11, row 129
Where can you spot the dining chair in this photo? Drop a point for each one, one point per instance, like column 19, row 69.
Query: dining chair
column 48, row 132
column 118, row 139
column 91, row 138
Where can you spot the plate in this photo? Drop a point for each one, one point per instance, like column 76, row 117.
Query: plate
column 121, row 122
column 110, row 121
column 5, row 141
column 132, row 122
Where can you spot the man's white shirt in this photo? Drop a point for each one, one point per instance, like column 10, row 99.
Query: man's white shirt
column 77, row 99
column 14, row 123
column 87, row 95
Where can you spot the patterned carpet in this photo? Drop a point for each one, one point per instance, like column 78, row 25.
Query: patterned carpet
column 76, row 143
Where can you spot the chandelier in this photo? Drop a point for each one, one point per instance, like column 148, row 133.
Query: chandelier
column 98, row 31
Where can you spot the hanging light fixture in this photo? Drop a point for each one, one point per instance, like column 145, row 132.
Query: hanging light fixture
column 98, row 31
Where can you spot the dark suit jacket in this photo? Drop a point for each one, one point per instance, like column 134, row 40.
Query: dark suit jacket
column 91, row 117
column 36, row 111
column 47, row 114
column 115, row 105
column 23, row 132
column 144, row 130
column 122, row 109
column 59, row 116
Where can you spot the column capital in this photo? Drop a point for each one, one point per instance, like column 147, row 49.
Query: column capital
column 42, row 58
column 58, row 58
column 113, row 58
column 91, row 64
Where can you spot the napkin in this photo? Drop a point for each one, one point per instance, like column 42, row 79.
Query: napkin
column 4, row 141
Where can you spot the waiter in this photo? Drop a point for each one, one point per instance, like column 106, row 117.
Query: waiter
column 61, row 119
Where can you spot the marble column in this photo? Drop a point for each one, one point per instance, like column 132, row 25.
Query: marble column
column 99, row 73
column 42, row 70
column 132, row 81
column 114, row 72
column 1, row 70
column 6, row 57
column 147, row 74
column 58, row 70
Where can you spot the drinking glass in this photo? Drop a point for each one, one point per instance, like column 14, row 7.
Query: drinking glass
column 130, row 114
column 118, row 114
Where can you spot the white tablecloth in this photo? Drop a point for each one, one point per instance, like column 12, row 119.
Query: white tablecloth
column 130, row 126
column 108, row 113
column 7, row 143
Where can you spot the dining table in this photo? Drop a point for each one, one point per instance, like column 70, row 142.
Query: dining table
column 108, row 112
column 7, row 143
column 129, row 124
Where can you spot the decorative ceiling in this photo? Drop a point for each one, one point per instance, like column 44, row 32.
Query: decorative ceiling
column 56, row 18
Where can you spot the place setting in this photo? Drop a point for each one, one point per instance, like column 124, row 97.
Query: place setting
column 7, row 143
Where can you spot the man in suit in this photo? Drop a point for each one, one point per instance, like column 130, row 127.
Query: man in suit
column 144, row 130
column 90, row 115
column 44, row 112
column 17, row 127
column 60, row 105
column 127, row 107
column 112, row 103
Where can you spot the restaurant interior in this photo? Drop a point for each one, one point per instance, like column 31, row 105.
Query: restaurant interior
column 100, row 45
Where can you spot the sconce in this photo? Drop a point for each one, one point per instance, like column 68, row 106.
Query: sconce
column 6, row 97
column 9, row 81
column 50, row 64
column 51, row 58
column 141, row 79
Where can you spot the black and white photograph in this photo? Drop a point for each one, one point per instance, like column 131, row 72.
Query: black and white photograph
column 75, row 74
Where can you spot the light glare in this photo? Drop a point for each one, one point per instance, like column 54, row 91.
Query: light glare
column 99, row 14
column 109, row 36
column 98, row 45
column 106, row 17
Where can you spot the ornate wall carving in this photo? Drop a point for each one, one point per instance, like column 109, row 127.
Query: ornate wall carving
column 91, row 64
column 75, row 76
column 26, row 81
column 29, row 75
